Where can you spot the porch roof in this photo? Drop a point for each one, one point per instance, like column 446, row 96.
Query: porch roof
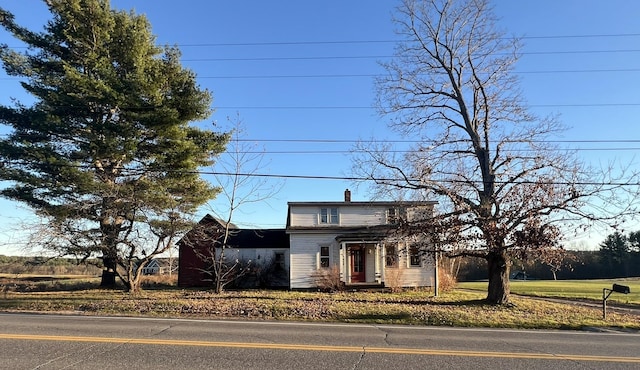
column 361, row 237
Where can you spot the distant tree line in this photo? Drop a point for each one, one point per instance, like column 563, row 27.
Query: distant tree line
column 618, row 256
column 47, row 266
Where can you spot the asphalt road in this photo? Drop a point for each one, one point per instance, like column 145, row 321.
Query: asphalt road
column 83, row 342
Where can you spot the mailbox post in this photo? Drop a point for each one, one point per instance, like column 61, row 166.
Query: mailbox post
column 607, row 292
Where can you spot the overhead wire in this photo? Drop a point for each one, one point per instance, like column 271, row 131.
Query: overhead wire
column 350, row 178
column 389, row 41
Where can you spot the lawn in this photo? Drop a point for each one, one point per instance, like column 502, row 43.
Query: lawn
column 459, row 307
column 571, row 289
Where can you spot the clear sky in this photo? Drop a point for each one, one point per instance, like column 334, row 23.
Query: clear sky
column 299, row 74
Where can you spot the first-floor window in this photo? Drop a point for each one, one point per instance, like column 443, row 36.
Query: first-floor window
column 324, row 257
column 279, row 261
column 391, row 255
column 414, row 255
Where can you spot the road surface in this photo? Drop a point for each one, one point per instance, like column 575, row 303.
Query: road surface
column 29, row 341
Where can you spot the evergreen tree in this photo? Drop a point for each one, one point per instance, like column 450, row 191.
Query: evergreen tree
column 614, row 254
column 106, row 153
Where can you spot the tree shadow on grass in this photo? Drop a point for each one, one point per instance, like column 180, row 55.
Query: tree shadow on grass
column 374, row 317
column 461, row 303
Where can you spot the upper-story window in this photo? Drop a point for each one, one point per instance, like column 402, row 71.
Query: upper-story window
column 394, row 215
column 329, row 216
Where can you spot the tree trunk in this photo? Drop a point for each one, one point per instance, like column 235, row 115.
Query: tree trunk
column 109, row 272
column 498, row 291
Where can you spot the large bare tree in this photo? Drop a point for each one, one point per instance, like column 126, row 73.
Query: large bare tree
column 503, row 185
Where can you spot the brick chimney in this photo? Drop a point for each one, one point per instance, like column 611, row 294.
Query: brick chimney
column 347, row 195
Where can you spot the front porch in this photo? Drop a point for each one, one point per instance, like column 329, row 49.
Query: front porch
column 362, row 264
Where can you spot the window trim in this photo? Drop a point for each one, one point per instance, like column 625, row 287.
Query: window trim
column 392, row 215
column 280, row 264
column 413, row 256
column 329, row 216
column 391, row 260
column 324, row 257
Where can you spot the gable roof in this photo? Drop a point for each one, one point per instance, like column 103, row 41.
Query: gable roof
column 238, row 237
column 258, row 238
column 385, row 203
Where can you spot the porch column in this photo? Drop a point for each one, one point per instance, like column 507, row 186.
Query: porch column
column 378, row 271
column 346, row 265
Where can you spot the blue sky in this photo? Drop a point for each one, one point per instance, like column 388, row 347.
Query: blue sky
column 302, row 70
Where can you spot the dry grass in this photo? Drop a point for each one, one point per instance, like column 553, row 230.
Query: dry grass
column 415, row 307
column 446, row 281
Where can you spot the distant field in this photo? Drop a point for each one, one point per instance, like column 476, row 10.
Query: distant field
column 572, row 289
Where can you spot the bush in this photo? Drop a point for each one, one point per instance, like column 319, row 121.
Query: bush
column 446, row 281
column 159, row 281
column 328, row 280
column 393, row 279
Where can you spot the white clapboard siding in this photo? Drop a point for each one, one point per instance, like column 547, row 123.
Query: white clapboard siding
column 418, row 276
column 352, row 215
column 362, row 216
column 307, row 234
column 305, row 257
column 304, row 216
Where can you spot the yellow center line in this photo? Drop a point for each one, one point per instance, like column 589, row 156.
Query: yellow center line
column 305, row 347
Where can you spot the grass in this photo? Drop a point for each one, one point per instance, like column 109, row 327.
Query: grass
column 570, row 289
column 461, row 307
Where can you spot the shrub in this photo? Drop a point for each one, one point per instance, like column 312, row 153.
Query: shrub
column 446, row 281
column 393, row 279
column 328, row 280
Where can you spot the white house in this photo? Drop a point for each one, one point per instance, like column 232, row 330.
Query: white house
column 359, row 241
column 151, row 268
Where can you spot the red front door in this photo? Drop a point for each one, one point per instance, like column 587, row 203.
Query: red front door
column 357, row 255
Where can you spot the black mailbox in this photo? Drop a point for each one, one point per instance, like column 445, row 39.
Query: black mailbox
column 621, row 289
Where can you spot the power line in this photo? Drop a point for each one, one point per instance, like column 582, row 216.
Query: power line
column 361, row 107
column 339, row 57
column 388, row 41
column 373, row 75
column 342, row 42
column 568, row 105
column 357, row 178
column 420, row 141
column 405, row 141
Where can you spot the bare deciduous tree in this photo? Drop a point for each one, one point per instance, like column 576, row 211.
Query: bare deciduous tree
column 235, row 175
column 132, row 253
column 501, row 181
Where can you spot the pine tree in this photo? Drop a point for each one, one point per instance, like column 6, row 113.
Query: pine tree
column 106, row 153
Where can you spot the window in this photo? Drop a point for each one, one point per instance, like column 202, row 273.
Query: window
column 414, row 256
column 392, row 216
column 324, row 257
column 395, row 215
column 391, row 255
column 279, row 261
column 329, row 215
